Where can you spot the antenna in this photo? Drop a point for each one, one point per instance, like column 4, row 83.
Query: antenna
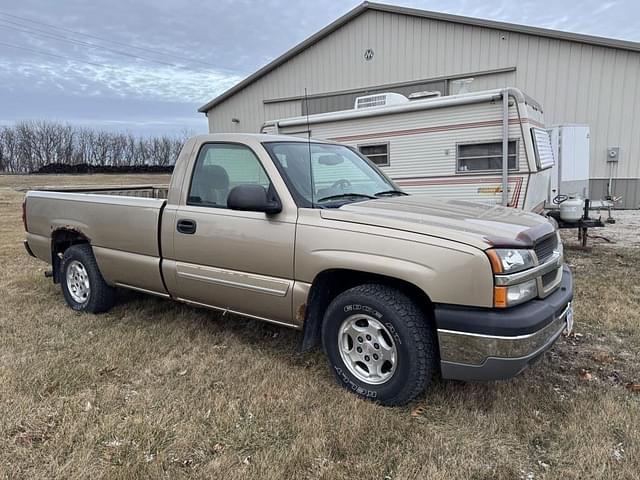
column 306, row 108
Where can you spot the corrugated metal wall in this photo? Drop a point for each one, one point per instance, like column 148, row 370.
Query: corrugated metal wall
column 346, row 101
column 628, row 189
column 575, row 82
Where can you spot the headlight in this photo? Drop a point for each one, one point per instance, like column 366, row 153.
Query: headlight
column 510, row 260
column 560, row 247
column 506, row 261
column 515, row 294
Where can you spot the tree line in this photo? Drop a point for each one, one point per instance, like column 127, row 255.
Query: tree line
column 27, row 146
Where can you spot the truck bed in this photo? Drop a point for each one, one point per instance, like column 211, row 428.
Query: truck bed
column 143, row 191
column 121, row 223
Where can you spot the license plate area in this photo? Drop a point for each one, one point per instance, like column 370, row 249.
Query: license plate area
column 568, row 316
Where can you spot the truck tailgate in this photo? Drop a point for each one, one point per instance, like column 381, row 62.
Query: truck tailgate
column 122, row 230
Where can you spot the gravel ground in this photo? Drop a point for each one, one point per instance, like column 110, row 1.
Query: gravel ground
column 624, row 233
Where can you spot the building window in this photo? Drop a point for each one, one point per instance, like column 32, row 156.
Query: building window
column 479, row 157
column 378, row 153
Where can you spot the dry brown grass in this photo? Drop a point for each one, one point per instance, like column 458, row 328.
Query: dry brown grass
column 159, row 389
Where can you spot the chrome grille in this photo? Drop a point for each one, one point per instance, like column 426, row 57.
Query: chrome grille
column 544, row 248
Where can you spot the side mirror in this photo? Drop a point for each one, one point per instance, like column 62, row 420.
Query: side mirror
column 252, row 198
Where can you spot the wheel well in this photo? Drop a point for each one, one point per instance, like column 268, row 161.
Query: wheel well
column 61, row 240
column 329, row 284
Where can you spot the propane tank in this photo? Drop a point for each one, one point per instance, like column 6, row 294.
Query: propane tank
column 571, row 210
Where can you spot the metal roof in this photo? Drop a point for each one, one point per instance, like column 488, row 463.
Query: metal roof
column 446, row 17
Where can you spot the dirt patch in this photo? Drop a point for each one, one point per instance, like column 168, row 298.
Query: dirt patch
column 625, row 233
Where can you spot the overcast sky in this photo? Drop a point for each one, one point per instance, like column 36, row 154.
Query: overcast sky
column 147, row 65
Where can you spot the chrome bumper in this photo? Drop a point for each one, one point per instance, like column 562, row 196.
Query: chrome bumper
column 492, row 344
column 474, row 348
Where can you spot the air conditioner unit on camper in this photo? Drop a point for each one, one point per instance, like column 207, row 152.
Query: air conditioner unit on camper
column 380, row 100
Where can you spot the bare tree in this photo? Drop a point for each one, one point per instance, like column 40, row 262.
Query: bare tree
column 30, row 145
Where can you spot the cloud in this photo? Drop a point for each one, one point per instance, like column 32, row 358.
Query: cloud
column 213, row 46
column 594, row 17
column 126, row 80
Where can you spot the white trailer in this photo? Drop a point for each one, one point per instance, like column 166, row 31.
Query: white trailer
column 569, row 186
column 451, row 146
column 570, row 174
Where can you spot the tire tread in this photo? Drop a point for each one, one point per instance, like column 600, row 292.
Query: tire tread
column 102, row 295
column 419, row 330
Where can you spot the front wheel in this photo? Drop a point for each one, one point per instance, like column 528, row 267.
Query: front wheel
column 379, row 344
column 83, row 287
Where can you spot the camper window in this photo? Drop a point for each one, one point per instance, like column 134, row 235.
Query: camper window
column 478, row 157
column 543, row 148
column 378, row 153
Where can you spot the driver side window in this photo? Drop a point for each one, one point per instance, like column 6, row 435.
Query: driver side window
column 220, row 167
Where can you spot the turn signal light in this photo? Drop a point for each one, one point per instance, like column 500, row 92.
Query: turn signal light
column 494, row 259
column 500, row 297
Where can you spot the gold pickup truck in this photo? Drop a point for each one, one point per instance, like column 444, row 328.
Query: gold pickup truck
column 311, row 235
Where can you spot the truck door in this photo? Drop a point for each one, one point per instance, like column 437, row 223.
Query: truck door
column 233, row 260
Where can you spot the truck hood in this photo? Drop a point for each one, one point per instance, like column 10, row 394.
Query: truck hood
column 474, row 224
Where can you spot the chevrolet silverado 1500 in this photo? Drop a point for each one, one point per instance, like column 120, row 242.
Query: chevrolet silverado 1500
column 311, row 235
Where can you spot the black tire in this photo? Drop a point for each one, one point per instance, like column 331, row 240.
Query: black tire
column 414, row 339
column 100, row 296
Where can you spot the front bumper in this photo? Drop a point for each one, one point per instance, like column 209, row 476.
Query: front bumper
column 491, row 344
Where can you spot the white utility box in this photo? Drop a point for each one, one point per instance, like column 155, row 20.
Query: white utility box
column 570, row 174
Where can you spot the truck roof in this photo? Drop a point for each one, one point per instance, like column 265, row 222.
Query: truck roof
column 252, row 138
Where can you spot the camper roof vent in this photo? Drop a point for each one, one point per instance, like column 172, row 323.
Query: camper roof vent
column 425, row 94
column 379, row 100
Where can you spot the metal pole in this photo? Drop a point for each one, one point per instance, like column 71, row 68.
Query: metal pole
column 505, row 147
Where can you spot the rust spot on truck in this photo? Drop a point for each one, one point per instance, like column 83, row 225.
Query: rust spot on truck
column 69, row 229
column 301, row 312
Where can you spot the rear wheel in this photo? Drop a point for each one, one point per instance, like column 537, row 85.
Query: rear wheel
column 83, row 287
column 379, row 344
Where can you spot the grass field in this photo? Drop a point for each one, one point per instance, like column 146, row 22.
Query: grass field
column 159, row 389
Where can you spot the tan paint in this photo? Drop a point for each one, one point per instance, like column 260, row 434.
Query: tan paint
column 262, row 265
column 112, row 221
column 447, row 271
column 129, row 269
column 232, row 278
column 40, row 246
column 454, row 220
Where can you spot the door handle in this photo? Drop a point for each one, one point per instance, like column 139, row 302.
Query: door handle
column 186, row 226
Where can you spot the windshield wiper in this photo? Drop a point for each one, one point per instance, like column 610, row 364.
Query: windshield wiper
column 343, row 195
column 390, row 192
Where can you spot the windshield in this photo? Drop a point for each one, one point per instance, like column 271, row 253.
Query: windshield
column 337, row 175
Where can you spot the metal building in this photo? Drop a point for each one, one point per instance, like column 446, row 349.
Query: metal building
column 375, row 47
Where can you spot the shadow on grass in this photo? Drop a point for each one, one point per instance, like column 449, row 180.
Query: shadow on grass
column 276, row 340
column 280, row 344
